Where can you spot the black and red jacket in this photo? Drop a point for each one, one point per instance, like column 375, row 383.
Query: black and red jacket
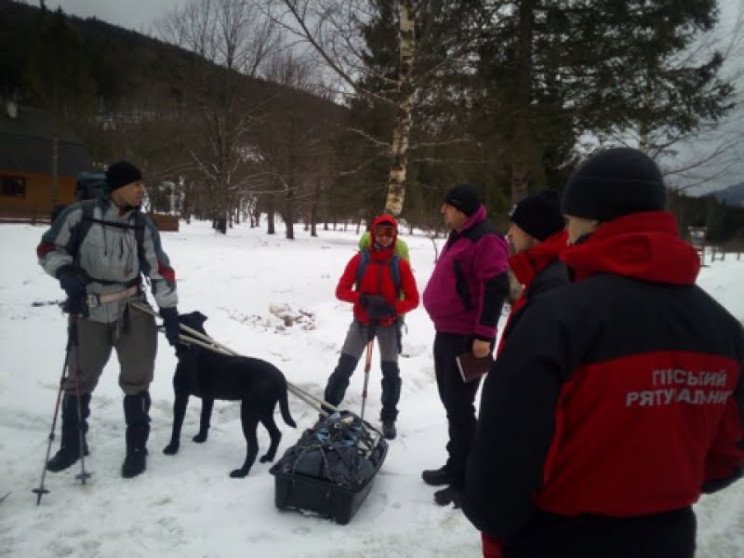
column 538, row 270
column 618, row 395
column 378, row 279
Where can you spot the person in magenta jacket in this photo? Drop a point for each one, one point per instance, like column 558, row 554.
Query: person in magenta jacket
column 463, row 297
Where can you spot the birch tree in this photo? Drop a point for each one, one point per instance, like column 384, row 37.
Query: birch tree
column 331, row 28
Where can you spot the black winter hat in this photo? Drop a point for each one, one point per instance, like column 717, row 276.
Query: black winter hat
column 463, row 197
column 612, row 183
column 120, row 174
column 539, row 215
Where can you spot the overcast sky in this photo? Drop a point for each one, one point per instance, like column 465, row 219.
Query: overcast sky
column 131, row 14
column 140, row 15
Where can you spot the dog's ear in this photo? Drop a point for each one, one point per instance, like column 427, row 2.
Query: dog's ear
column 201, row 317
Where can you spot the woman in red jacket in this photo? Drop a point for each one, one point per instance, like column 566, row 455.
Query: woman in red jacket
column 382, row 288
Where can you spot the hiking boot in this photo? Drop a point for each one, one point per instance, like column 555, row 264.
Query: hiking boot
column 135, row 463
column 447, row 496
column 437, row 477
column 69, row 451
column 136, row 408
column 64, row 458
column 388, row 430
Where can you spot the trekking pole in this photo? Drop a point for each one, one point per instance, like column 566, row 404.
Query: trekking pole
column 83, row 475
column 368, row 364
column 41, row 490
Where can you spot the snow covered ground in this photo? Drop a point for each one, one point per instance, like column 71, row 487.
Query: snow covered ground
column 186, row 505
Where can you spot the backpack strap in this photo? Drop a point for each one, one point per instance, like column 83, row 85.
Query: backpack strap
column 81, row 230
column 393, row 262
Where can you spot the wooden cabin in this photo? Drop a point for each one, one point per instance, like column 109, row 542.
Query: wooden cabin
column 40, row 159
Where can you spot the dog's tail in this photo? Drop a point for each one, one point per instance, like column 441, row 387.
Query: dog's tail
column 284, row 408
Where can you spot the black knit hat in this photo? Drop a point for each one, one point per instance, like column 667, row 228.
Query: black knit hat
column 612, row 183
column 463, row 197
column 539, row 215
column 120, row 174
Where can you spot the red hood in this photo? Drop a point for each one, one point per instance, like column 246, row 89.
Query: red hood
column 527, row 264
column 382, row 220
column 643, row 246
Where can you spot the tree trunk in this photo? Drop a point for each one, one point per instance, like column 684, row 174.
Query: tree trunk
column 399, row 150
column 270, row 214
column 522, row 94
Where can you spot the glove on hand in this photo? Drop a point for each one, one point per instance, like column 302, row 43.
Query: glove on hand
column 364, row 299
column 171, row 324
column 73, row 283
column 378, row 308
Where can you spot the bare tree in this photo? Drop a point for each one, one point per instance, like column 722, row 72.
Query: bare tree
column 331, row 28
column 233, row 39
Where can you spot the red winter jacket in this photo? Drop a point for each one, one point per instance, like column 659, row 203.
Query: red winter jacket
column 538, row 270
column 378, row 279
column 619, row 395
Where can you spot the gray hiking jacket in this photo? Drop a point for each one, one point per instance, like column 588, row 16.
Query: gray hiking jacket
column 108, row 254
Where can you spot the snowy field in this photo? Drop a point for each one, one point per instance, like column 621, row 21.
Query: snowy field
column 186, row 505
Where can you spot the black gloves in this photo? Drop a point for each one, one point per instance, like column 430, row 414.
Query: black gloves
column 73, row 283
column 171, row 324
column 377, row 307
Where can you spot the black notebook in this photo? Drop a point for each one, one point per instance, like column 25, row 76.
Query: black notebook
column 473, row 367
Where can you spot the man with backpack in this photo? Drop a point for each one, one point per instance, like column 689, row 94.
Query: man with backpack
column 381, row 287
column 464, row 297
column 98, row 250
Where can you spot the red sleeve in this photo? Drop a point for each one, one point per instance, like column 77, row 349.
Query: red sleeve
column 345, row 288
column 724, row 463
column 408, row 288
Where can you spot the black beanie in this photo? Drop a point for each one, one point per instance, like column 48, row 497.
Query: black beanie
column 612, row 183
column 120, row 174
column 463, row 197
column 539, row 215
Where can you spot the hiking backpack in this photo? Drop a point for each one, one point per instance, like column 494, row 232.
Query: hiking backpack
column 393, row 262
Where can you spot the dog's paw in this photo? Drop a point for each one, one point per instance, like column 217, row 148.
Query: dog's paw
column 171, row 449
column 238, row 474
column 266, row 458
column 200, row 438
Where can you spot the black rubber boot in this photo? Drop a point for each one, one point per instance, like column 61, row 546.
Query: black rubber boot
column 447, row 496
column 339, row 381
column 69, row 451
column 136, row 409
column 388, row 429
column 437, row 477
column 391, row 385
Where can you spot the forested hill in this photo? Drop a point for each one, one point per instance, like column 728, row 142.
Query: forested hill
column 87, row 69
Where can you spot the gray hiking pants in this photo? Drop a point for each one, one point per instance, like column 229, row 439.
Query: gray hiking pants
column 134, row 336
column 356, row 341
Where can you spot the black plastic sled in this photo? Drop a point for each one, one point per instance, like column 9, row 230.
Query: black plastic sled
column 330, row 469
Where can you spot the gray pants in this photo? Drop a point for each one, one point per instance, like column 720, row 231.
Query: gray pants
column 134, row 336
column 357, row 339
column 354, row 345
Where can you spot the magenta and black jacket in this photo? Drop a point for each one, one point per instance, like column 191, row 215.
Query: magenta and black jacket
column 467, row 288
column 618, row 395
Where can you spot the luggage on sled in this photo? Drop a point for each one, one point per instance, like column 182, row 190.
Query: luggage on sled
column 331, row 467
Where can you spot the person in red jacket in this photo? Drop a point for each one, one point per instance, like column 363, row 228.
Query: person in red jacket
column 377, row 308
column 537, row 237
column 619, row 398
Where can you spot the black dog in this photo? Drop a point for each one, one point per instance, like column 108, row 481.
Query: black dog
column 209, row 375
